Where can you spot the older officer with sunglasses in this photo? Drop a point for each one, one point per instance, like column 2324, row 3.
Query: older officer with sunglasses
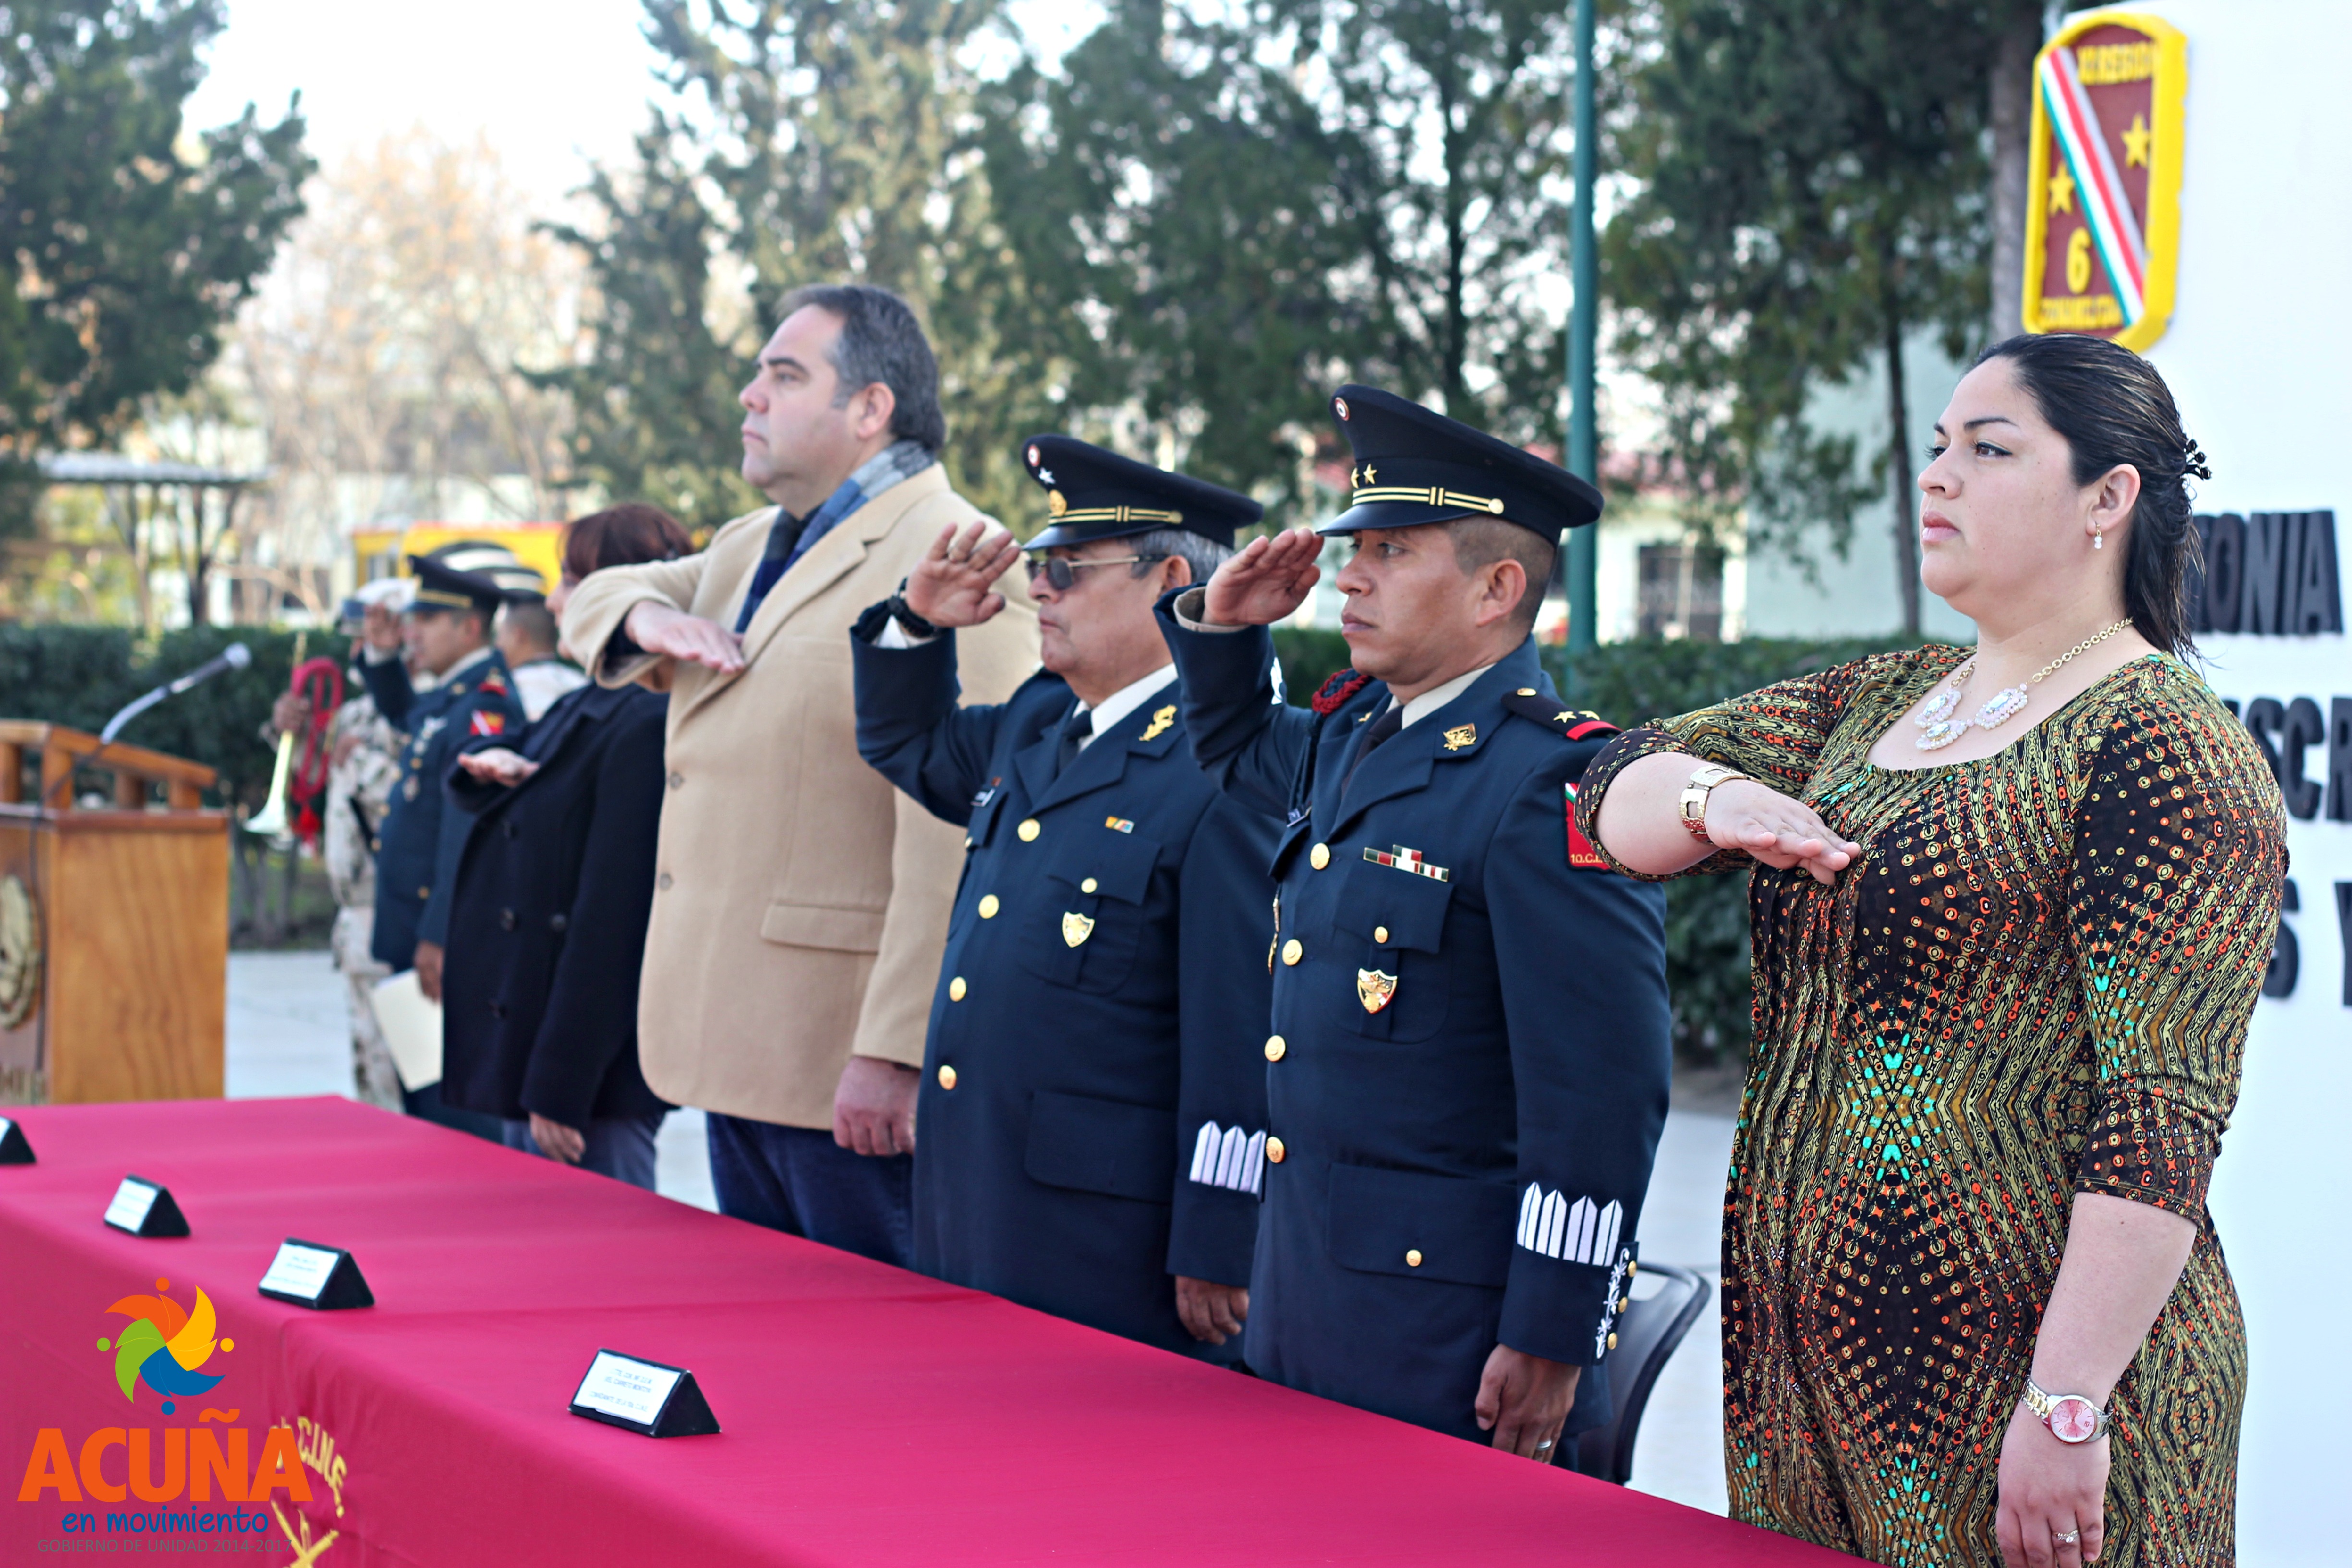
column 1093, row 1101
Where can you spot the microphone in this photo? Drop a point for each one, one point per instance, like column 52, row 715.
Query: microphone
column 237, row 656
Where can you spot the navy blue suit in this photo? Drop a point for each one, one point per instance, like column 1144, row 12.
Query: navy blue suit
column 1473, row 1064
column 1093, row 1106
column 547, row 929
column 416, row 858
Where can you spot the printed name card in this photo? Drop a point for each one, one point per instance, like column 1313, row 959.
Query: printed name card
column 645, row 1397
column 324, row 1278
column 13, row 1150
column 145, row 1208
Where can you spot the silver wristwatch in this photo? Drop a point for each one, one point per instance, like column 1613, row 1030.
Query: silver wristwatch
column 2070, row 1418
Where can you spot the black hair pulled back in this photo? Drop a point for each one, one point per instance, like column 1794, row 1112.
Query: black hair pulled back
column 2112, row 408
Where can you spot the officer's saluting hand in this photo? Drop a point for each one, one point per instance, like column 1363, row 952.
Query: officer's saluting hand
column 1469, row 1030
column 1093, row 1102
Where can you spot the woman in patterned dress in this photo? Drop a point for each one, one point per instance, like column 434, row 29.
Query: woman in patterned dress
column 2012, row 910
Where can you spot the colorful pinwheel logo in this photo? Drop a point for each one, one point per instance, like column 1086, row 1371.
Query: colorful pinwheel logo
column 165, row 1345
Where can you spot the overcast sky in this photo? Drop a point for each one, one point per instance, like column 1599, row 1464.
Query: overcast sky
column 553, row 85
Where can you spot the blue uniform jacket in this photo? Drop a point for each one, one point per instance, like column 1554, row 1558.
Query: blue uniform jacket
column 417, row 849
column 1093, row 1107
column 547, row 924
column 1470, row 1058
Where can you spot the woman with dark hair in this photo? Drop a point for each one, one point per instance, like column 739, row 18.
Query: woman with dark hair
column 2012, row 906
column 547, row 930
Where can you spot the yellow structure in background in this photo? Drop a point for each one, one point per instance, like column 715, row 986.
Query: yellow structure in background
column 385, row 551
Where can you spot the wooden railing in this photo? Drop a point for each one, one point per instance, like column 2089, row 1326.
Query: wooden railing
column 136, row 770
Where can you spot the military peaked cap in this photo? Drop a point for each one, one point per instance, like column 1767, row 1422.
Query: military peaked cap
column 1414, row 467
column 472, row 574
column 1092, row 493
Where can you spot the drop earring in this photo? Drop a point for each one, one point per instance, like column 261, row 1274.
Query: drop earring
column 2098, row 538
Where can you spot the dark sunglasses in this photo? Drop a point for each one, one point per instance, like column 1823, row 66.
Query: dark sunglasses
column 1062, row 572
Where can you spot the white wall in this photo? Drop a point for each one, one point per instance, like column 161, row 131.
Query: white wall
column 2257, row 355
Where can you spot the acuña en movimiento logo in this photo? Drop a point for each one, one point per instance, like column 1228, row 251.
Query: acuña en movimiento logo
column 167, row 1349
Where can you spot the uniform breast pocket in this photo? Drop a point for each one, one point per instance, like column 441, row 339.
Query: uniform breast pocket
column 1393, row 924
column 1088, row 919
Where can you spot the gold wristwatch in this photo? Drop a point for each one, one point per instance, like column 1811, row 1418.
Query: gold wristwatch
column 2070, row 1418
column 1692, row 804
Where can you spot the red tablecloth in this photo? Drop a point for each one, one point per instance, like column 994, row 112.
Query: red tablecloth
column 871, row 1415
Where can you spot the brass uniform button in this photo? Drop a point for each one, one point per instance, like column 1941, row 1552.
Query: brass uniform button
column 1613, row 1342
column 989, row 906
column 1088, row 886
column 947, row 1076
column 1292, row 951
column 1320, row 856
column 1274, row 1149
column 1380, row 933
column 1623, row 1302
column 955, row 989
column 1275, row 1048
column 1413, row 1258
column 1028, row 830
column 1633, row 1268
column 427, row 892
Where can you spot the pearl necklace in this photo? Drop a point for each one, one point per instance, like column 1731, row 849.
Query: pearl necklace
column 1941, row 729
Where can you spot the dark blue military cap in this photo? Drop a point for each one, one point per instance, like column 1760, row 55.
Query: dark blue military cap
column 1097, row 494
column 1415, row 467
column 469, row 574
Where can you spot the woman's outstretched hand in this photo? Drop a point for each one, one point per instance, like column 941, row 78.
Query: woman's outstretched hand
column 1742, row 814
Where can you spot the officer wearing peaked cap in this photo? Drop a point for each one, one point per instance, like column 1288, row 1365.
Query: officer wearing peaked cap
column 458, row 589
column 1092, row 1117
column 1467, row 1054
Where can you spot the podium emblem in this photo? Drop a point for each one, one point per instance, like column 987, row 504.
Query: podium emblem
column 20, row 953
column 2103, row 200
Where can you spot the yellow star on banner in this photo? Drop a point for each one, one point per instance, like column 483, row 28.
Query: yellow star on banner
column 2061, row 191
column 2135, row 140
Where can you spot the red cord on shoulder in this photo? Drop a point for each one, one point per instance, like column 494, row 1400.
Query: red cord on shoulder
column 1334, row 693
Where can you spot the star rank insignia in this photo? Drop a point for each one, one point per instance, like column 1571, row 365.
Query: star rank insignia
column 1570, row 723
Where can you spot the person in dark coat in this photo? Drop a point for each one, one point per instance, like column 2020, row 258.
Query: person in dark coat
column 1469, row 1035
column 1091, row 1125
column 554, row 885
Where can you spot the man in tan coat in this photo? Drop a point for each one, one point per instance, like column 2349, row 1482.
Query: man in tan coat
column 801, row 904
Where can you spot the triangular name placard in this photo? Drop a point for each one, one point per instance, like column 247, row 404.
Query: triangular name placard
column 323, row 1278
column 647, row 1397
column 145, row 1208
column 13, row 1150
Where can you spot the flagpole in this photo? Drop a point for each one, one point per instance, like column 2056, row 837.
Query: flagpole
column 1582, row 565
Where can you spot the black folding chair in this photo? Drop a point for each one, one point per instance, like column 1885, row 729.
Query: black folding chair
column 1666, row 1301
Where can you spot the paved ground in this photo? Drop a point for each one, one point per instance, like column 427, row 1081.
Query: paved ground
column 286, row 1036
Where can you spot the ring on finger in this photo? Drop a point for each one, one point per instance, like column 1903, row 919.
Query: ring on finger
column 2066, row 1536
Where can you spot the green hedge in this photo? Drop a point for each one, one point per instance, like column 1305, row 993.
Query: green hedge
column 80, row 675
column 1629, row 683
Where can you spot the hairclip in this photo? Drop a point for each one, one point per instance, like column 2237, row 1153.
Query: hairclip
column 2192, row 462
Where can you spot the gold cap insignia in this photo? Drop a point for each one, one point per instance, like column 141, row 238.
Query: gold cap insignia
column 1057, row 503
column 1461, row 735
column 1374, row 989
column 1077, row 928
column 1159, row 722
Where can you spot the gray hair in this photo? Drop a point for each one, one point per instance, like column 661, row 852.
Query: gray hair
column 1203, row 555
column 882, row 341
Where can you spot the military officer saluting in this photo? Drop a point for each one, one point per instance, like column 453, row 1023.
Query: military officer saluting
column 1092, row 1113
column 1468, row 1056
column 458, row 589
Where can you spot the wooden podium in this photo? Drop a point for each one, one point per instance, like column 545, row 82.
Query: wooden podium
column 114, row 925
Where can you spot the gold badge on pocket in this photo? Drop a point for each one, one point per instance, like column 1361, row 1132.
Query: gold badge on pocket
column 1077, row 928
column 1374, row 989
